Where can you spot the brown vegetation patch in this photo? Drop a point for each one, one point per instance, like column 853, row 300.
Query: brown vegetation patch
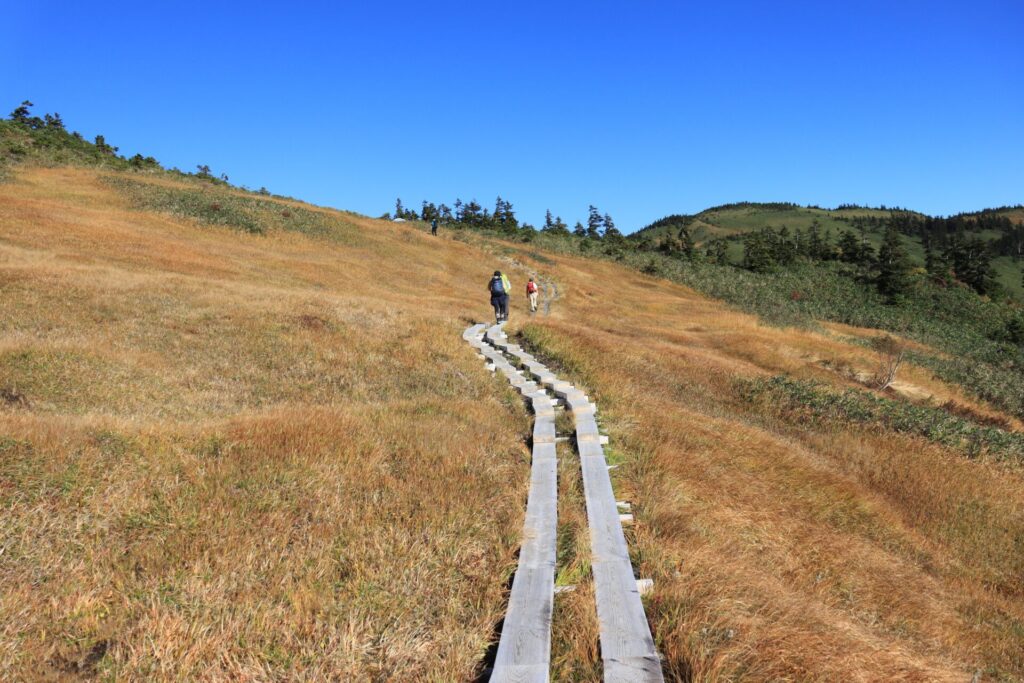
column 313, row 322
column 12, row 397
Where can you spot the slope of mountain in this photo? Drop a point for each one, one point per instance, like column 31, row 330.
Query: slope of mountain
column 736, row 219
column 241, row 437
column 732, row 221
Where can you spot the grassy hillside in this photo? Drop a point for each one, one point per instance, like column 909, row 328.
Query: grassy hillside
column 734, row 220
column 230, row 455
column 241, row 438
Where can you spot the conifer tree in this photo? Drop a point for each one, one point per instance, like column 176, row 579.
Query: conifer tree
column 594, row 223
column 757, row 252
column 937, row 265
column 849, row 247
column 671, row 245
column 22, row 113
column 549, row 222
column 610, row 231
column 499, row 211
column 429, row 212
column 579, row 230
column 686, row 244
column 104, row 148
column 508, row 216
column 971, row 262
column 782, row 245
column 867, row 252
column 828, row 251
column 718, row 252
column 892, row 281
column 815, row 243
column 802, row 242
column 473, row 214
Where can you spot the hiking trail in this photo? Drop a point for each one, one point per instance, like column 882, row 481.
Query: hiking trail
column 524, row 648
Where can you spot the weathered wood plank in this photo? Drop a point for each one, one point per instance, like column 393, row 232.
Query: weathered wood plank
column 524, row 649
column 586, row 427
column 633, row 670
column 544, row 430
column 520, row 673
column 627, row 648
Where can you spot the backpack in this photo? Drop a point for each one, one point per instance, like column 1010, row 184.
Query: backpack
column 497, row 287
column 531, row 287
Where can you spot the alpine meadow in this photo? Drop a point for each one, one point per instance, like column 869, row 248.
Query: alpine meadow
column 242, row 436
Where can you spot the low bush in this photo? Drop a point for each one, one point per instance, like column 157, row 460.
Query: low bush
column 803, row 401
column 219, row 205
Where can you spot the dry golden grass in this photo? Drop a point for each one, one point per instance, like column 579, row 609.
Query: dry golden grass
column 781, row 551
column 237, row 457
column 574, row 636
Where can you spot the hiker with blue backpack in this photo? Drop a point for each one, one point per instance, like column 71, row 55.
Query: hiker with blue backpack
column 499, row 287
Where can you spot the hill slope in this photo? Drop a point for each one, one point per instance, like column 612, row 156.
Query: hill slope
column 239, row 448
column 732, row 221
column 243, row 439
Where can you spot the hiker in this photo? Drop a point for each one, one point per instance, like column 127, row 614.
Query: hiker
column 499, row 296
column 531, row 295
column 504, row 300
column 433, row 227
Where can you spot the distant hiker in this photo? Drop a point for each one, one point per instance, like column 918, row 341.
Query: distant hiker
column 499, row 296
column 433, row 227
column 531, row 295
column 504, row 302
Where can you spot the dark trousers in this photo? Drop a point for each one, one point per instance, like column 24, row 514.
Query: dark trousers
column 500, row 304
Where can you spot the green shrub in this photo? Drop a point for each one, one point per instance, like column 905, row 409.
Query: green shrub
column 217, row 204
column 801, row 401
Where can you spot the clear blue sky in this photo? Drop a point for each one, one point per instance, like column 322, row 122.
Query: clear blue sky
column 643, row 109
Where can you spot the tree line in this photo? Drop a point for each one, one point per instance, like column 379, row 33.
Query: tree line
column 967, row 259
column 938, row 232
column 599, row 226
column 49, row 133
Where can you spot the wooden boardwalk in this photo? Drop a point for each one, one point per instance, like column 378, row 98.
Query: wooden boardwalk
column 524, row 650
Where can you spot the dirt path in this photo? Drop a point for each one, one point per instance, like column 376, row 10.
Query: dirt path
column 551, row 293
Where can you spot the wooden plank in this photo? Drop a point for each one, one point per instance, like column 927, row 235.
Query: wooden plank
column 627, row 648
column 586, row 427
column 520, row 673
column 633, row 669
column 524, row 649
column 542, row 406
column 544, row 430
column 474, row 331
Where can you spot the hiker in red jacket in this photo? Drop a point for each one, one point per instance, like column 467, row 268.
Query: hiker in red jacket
column 531, row 295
